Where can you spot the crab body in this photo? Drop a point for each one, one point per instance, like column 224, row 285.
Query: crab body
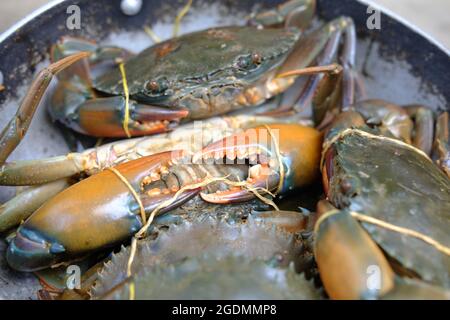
column 213, row 250
column 393, row 182
column 194, row 76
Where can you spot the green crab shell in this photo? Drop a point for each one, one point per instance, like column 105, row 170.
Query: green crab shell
column 205, row 236
column 204, row 59
column 230, row 278
column 395, row 183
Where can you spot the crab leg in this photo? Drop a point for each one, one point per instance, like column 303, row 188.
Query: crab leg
column 325, row 90
column 38, row 172
column 67, row 46
column 25, row 203
column 441, row 143
column 294, row 13
column 16, row 129
column 423, row 127
column 290, row 221
column 322, row 86
column 189, row 136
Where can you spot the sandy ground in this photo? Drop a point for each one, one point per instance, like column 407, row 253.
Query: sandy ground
column 430, row 16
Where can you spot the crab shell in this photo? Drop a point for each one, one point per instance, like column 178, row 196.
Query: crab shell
column 204, row 68
column 230, row 278
column 396, row 183
column 214, row 237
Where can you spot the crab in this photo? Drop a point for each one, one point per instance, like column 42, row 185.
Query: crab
column 402, row 200
column 208, row 278
column 217, row 242
column 193, row 76
column 48, row 177
column 120, row 200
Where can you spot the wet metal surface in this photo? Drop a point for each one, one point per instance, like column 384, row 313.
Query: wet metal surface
column 398, row 65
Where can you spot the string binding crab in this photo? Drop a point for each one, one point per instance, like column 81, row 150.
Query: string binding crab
column 146, row 187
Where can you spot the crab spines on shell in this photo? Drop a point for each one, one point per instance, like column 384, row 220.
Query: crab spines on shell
column 208, row 277
column 281, row 157
column 205, row 235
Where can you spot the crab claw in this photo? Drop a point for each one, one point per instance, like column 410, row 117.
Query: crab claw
column 104, row 117
column 280, row 156
column 97, row 213
column 261, row 178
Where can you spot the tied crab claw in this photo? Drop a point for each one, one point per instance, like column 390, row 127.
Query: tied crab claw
column 110, row 207
column 99, row 212
column 280, row 157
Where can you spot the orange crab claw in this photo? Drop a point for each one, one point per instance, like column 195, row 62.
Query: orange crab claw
column 96, row 213
column 104, row 117
column 280, row 157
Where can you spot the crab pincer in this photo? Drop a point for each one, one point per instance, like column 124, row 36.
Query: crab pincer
column 281, row 157
column 96, row 213
column 108, row 208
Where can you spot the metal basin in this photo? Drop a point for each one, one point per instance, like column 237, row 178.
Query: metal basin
column 399, row 63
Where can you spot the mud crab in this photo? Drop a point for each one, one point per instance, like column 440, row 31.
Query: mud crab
column 402, row 200
column 50, row 176
column 216, row 245
column 226, row 248
column 114, row 208
column 193, row 76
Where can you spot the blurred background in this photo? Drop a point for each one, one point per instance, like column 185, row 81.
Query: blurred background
column 430, row 16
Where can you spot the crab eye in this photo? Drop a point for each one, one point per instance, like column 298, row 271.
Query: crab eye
column 157, row 86
column 250, row 61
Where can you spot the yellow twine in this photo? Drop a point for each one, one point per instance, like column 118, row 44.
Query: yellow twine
column 126, row 117
column 280, row 162
column 180, row 16
column 98, row 143
column 149, row 31
column 389, row 226
column 365, row 134
column 208, row 180
column 130, row 261
column 133, row 192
